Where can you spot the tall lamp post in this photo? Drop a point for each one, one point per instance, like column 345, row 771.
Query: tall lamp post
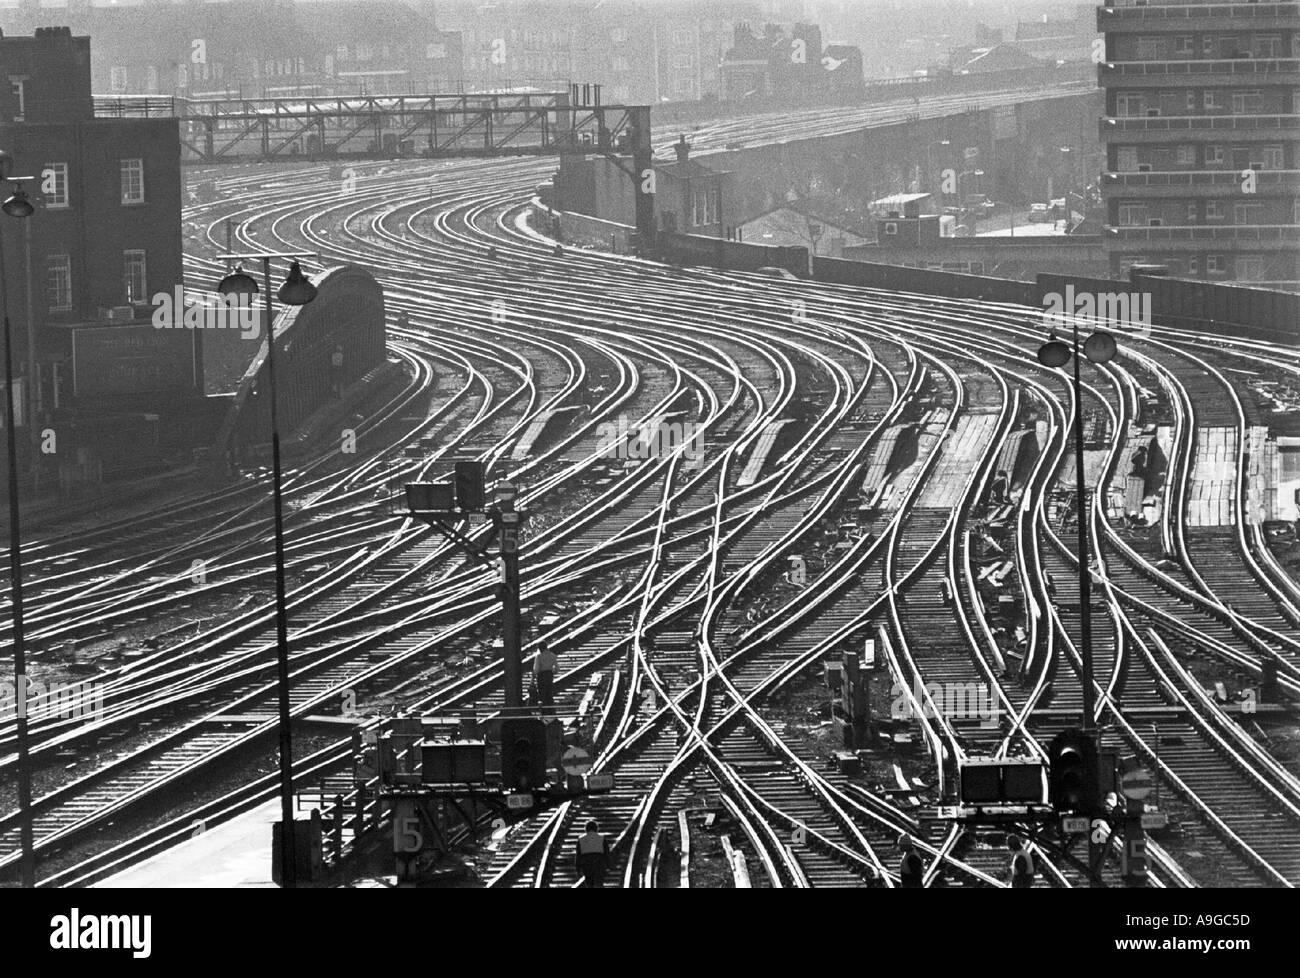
column 929, row 157
column 17, row 205
column 1099, row 348
column 297, row 290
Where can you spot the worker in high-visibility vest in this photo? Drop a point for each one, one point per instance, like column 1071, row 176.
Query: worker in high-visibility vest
column 1022, row 864
column 544, row 675
column 592, row 856
column 911, row 867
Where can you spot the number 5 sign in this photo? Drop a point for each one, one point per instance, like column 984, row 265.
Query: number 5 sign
column 407, row 836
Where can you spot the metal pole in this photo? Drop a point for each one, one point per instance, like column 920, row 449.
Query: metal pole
column 32, row 378
column 288, row 871
column 16, row 600
column 1155, row 746
column 510, row 640
column 1085, row 575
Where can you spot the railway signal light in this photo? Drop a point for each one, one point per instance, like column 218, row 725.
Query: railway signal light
column 523, row 753
column 470, row 494
column 1073, row 766
column 429, row 497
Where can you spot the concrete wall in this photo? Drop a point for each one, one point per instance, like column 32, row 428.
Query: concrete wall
column 1015, row 258
column 348, row 312
column 581, row 229
column 898, row 278
column 689, row 249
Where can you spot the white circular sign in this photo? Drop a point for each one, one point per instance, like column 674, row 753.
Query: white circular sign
column 576, row 761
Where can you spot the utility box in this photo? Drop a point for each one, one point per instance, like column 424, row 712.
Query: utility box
column 454, row 762
column 308, row 853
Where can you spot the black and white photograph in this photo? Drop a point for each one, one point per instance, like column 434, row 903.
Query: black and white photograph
column 650, row 444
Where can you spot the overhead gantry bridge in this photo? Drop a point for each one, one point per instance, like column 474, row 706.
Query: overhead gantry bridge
column 490, row 124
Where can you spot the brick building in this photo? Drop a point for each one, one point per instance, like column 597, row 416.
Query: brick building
column 106, row 234
column 789, row 63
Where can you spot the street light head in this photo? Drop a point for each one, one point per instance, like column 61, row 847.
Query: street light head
column 297, row 289
column 238, row 283
column 1100, row 347
column 1053, row 354
column 17, row 204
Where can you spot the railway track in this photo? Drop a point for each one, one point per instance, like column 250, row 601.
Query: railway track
column 659, row 580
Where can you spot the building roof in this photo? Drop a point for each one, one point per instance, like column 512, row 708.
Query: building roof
column 786, row 226
column 897, row 200
column 999, row 57
column 690, row 168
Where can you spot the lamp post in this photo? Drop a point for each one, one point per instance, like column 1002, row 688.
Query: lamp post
column 297, row 290
column 17, row 205
column 960, row 199
column 929, row 156
column 1099, row 348
column 512, row 652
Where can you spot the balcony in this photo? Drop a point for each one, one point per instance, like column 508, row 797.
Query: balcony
column 1202, row 71
column 1177, row 128
column 1197, row 17
column 1198, row 183
column 1265, row 237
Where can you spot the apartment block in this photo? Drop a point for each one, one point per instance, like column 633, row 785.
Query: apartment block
column 1201, row 134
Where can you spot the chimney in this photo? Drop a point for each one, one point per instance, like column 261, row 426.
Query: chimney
column 682, row 148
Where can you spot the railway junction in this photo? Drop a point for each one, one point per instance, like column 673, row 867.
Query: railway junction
column 847, row 610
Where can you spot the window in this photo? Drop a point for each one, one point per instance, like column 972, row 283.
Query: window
column 1268, row 46
column 618, row 35
column 54, row 184
column 618, row 63
column 704, row 208
column 1151, row 48
column 1214, row 153
column 1207, row 44
column 58, row 283
column 1132, row 214
column 1191, row 101
column 18, row 85
column 1126, row 159
column 1191, row 212
column 1247, row 213
column 1193, row 267
column 1214, row 210
column 1186, row 154
column 1213, row 99
column 1214, row 264
column 151, row 80
column 1128, row 103
column 133, row 276
column 1184, row 44
column 1250, row 268
column 1272, row 157
column 132, row 181
column 1246, row 102
column 117, row 78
